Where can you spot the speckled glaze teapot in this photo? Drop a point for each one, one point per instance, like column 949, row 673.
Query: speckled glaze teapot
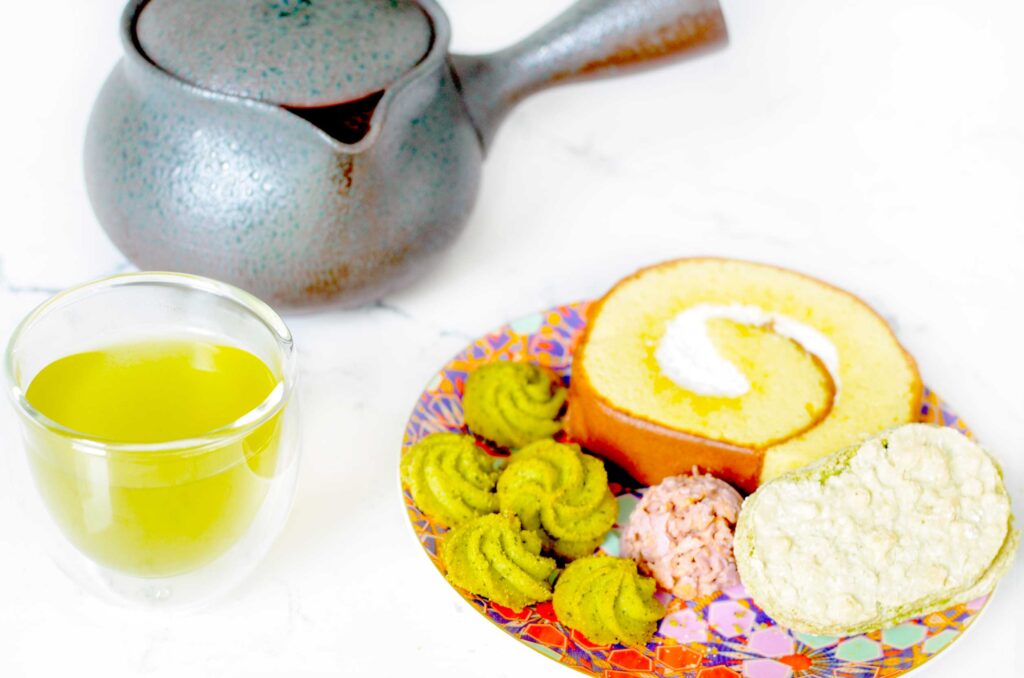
column 326, row 151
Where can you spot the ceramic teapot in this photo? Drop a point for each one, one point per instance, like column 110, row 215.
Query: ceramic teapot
column 326, row 151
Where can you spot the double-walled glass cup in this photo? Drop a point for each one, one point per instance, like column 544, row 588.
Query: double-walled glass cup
column 166, row 523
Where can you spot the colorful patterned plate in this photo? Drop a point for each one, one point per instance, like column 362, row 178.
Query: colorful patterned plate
column 719, row 637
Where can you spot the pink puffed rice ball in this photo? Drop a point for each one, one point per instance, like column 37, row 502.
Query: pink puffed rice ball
column 680, row 533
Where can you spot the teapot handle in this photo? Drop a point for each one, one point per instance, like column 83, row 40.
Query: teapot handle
column 591, row 38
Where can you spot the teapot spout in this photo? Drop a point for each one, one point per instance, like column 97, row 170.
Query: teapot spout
column 591, row 38
column 348, row 123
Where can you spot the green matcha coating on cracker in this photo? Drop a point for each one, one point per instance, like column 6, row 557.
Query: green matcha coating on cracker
column 608, row 601
column 450, row 478
column 492, row 556
column 555, row 488
column 513, row 404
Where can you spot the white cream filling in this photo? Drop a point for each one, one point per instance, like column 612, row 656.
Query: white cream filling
column 688, row 357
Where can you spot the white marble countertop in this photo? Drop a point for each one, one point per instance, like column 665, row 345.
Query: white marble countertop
column 878, row 145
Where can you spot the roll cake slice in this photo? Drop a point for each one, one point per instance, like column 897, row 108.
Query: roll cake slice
column 741, row 369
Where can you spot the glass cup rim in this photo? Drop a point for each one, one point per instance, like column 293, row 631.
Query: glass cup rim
column 237, row 429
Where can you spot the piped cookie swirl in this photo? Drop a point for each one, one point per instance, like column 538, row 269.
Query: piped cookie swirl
column 450, row 478
column 492, row 556
column 608, row 601
column 556, row 488
column 513, row 404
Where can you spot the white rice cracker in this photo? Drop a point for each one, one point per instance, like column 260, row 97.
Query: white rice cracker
column 910, row 522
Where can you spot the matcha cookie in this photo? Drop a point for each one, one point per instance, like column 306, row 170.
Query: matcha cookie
column 608, row 601
column 450, row 478
column 492, row 556
column 513, row 404
column 557, row 489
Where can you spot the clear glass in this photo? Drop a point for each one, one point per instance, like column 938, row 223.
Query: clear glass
column 167, row 524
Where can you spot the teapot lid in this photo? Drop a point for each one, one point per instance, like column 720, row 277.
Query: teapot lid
column 300, row 53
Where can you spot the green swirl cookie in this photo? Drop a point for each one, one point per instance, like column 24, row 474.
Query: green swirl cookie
column 450, row 478
column 513, row 404
column 492, row 556
column 558, row 489
column 608, row 601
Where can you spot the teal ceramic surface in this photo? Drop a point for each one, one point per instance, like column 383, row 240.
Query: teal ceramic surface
column 306, row 201
column 291, row 52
